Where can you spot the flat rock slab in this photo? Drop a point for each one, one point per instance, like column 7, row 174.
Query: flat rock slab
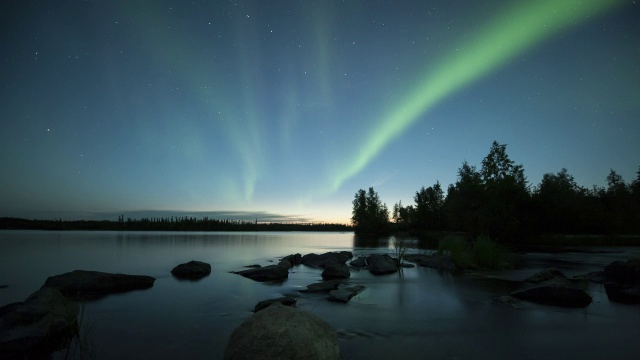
column 266, row 273
column 87, row 285
column 322, row 286
column 193, row 270
column 551, row 294
column 326, row 259
column 285, row 333
column 344, row 294
column 32, row 329
column 285, row 300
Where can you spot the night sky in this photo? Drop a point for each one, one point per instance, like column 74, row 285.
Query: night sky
column 282, row 110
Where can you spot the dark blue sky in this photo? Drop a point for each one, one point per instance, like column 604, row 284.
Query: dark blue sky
column 284, row 109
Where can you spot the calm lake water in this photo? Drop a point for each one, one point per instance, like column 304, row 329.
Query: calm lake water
column 422, row 314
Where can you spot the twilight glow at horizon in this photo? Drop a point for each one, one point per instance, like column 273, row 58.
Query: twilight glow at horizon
column 282, row 110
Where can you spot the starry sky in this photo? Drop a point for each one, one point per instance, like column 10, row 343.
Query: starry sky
column 282, row 110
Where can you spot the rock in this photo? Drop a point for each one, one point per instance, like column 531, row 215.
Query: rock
column 326, row 259
column 552, row 294
column 381, row 264
column 281, row 332
column 508, row 301
column 285, row 300
column 266, row 273
column 407, row 265
column 44, row 322
column 294, row 259
column 544, row 275
column 285, row 263
column 359, row 262
column 86, row 285
column 193, row 270
column 623, row 281
column 336, row 271
column 344, row 294
column 438, row 261
column 327, row 285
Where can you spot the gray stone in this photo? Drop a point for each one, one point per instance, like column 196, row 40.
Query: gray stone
column 32, row 329
column 326, row 285
column 336, row 271
column 545, row 275
column 326, row 259
column 381, row 264
column 359, row 262
column 552, row 294
column 266, row 273
column 294, row 259
column 82, row 284
column 344, row 294
column 281, row 332
column 193, row 270
column 623, row 281
column 285, row 300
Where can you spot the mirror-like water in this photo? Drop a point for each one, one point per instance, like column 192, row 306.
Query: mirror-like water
column 423, row 314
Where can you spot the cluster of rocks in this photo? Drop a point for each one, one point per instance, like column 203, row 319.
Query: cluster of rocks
column 48, row 318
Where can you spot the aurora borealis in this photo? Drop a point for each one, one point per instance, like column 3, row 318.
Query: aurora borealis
column 283, row 109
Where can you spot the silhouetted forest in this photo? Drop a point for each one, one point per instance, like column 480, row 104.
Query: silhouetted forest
column 165, row 224
column 498, row 201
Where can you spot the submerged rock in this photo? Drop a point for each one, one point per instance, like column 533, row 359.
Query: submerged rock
column 326, row 259
column 266, row 273
column 553, row 294
column 381, row 264
column 545, row 275
column 595, row 276
column 336, row 271
column 193, row 270
column 281, row 332
column 285, row 300
column 82, row 284
column 44, row 322
column 344, row 294
column 326, row 285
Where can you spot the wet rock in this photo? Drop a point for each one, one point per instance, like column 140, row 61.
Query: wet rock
column 552, row 294
column 508, row 301
column 359, row 262
column 266, row 273
column 381, row 264
column 326, row 285
column 32, row 329
column 86, row 285
column 281, row 332
column 344, row 294
column 623, row 281
column 326, row 259
column 193, row 270
column 294, row 259
column 285, row 263
column 285, row 300
column 438, row 261
column 545, row 275
column 336, row 271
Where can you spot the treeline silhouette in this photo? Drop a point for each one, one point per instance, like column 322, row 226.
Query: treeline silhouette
column 165, row 224
column 497, row 200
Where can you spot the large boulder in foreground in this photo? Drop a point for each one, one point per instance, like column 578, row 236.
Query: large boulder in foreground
column 87, row 285
column 381, row 264
column 281, row 332
column 553, row 294
column 44, row 322
column 267, row 273
column 326, row 259
column 193, row 270
column 622, row 282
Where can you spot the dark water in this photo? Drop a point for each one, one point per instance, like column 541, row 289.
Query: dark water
column 423, row 314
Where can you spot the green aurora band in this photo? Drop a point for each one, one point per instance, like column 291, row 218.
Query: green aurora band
column 515, row 30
